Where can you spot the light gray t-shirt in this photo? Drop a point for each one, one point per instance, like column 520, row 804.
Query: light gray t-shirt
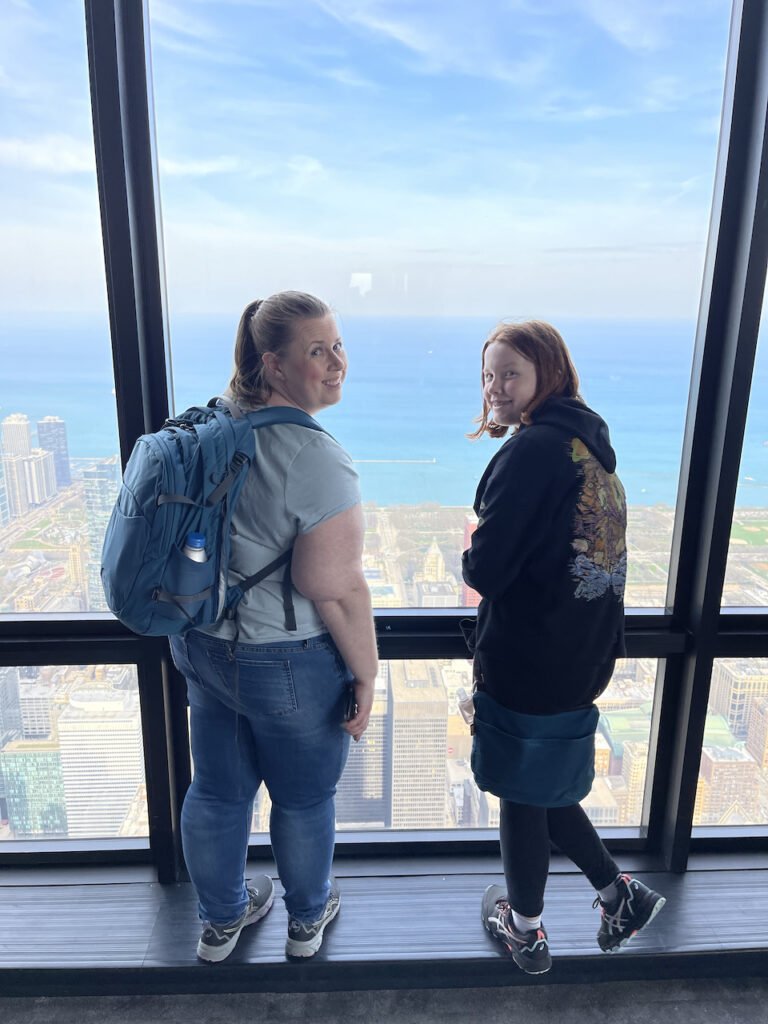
column 299, row 478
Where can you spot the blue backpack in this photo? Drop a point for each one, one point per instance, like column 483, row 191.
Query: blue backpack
column 186, row 479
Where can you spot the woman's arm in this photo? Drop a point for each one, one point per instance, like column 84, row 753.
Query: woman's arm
column 327, row 569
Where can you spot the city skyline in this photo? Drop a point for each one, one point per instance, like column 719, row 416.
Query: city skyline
column 55, row 747
column 71, row 755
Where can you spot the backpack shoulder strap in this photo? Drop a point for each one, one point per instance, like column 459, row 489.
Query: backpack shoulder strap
column 283, row 414
column 228, row 403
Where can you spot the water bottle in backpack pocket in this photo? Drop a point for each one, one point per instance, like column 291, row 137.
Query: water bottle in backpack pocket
column 188, row 578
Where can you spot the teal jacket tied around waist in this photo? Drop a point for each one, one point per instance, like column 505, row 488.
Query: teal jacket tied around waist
column 541, row 760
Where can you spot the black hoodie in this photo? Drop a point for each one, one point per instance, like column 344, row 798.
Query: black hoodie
column 548, row 558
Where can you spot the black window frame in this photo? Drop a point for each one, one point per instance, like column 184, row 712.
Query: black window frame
column 687, row 636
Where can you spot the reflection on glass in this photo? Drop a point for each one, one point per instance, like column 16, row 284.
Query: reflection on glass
column 427, row 189
column 58, row 432
column 411, row 770
column 746, row 574
column 71, row 757
column 733, row 776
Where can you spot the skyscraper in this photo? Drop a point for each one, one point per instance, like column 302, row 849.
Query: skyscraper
column 52, row 435
column 102, row 760
column 757, row 733
column 16, row 434
column 633, row 768
column 16, row 485
column 36, row 706
column 101, row 482
column 730, row 785
column 419, row 745
column 10, row 708
column 735, row 684
column 5, row 508
column 34, row 787
column 434, row 564
column 364, row 792
column 39, row 476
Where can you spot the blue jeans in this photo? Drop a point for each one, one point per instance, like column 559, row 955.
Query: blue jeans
column 271, row 713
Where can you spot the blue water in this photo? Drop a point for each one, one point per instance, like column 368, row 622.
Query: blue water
column 411, row 394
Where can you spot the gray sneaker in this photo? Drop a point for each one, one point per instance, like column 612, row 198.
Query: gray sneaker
column 306, row 937
column 218, row 940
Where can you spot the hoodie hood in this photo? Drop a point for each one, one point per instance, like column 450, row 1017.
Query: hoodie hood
column 574, row 417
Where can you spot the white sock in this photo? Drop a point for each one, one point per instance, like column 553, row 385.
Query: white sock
column 610, row 893
column 524, row 924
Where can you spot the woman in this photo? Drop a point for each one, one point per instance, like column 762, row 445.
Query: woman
column 549, row 561
column 267, row 704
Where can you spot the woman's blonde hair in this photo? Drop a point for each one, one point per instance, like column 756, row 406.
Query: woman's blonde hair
column 265, row 326
column 542, row 345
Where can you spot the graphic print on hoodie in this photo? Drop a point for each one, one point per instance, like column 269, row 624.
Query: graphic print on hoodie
column 548, row 559
column 599, row 523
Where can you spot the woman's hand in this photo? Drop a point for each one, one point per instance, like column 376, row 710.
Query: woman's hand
column 364, row 699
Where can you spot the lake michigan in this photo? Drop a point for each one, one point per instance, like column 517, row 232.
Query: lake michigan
column 412, row 392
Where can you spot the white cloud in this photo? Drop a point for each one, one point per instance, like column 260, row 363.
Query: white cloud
column 634, row 24
column 445, row 36
column 199, row 51
column 54, row 154
column 345, row 76
column 179, row 20
column 588, row 112
column 305, row 171
column 199, row 168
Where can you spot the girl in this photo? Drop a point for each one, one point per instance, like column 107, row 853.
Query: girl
column 548, row 558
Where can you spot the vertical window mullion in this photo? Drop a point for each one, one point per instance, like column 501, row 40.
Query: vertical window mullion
column 729, row 317
column 122, row 124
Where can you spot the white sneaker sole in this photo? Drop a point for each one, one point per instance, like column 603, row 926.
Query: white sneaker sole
column 304, row 949
column 215, row 954
column 657, row 907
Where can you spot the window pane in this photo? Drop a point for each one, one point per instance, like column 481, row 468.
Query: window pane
column 58, row 426
column 733, row 777
column 429, row 170
column 411, row 769
column 71, row 756
column 746, row 573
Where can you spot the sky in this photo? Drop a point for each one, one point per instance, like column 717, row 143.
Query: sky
column 495, row 157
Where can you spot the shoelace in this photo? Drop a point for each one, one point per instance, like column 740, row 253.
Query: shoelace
column 612, row 920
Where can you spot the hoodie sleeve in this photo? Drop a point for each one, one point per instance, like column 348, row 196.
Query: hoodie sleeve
column 521, row 493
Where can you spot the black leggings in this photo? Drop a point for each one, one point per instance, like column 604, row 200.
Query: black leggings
column 525, row 834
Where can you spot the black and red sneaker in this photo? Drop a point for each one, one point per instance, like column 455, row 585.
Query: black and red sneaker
column 635, row 906
column 529, row 950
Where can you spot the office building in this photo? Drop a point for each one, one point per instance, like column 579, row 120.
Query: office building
column 34, row 789
column 5, row 508
column 39, row 476
column 16, row 485
column 419, row 720
column 364, row 792
column 16, row 434
column 36, row 701
column 10, row 707
column 101, row 758
column 101, row 482
column 736, row 682
column 729, row 784
column 52, row 435
column 757, row 733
